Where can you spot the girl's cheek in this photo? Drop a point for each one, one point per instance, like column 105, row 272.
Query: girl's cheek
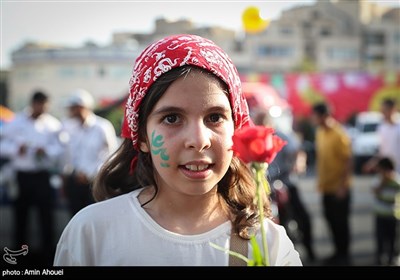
column 228, row 136
column 159, row 149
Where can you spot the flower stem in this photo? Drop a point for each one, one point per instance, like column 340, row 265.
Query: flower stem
column 260, row 191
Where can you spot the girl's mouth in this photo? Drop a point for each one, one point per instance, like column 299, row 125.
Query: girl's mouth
column 193, row 167
column 193, row 171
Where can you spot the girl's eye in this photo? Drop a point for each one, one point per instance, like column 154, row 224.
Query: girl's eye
column 215, row 118
column 170, row 119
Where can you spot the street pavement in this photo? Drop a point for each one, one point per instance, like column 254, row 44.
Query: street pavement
column 361, row 222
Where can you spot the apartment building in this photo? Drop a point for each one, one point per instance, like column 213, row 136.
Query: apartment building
column 327, row 37
column 322, row 33
column 382, row 44
column 104, row 71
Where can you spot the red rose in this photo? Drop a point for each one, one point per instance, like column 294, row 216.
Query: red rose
column 256, row 144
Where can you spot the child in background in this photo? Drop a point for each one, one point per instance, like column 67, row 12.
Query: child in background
column 174, row 186
column 386, row 221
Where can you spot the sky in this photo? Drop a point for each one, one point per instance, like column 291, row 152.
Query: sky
column 73, row 22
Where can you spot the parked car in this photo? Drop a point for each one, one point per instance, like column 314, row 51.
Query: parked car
column 365, row 139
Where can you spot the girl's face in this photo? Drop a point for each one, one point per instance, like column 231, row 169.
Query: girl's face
column 189, row 135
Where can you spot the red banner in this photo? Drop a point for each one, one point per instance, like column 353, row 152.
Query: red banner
column 347, row 93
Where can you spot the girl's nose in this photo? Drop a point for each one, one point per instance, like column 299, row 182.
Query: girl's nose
column 198, row 137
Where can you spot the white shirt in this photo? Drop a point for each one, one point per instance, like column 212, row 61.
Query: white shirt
column 42, row 132
column 88, row 145
column 119, row 232
column 389, row 135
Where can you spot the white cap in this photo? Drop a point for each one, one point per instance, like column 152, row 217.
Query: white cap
column 80, row 97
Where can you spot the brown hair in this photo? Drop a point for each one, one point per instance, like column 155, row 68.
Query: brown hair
column 236, row 188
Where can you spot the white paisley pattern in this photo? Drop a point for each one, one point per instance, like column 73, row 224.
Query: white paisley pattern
column 175, row 51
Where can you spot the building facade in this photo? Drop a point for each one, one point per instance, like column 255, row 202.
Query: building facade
column 104, row 71
column 336, row 36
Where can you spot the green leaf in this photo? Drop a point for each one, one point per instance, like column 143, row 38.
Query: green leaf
column 257, row 256
column 240, row 256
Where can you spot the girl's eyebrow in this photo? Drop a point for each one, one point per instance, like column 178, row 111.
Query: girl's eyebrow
column 219, row 108
column 172, row 109
column 168, row 109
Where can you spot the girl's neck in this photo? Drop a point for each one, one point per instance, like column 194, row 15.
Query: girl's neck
column 185, row 214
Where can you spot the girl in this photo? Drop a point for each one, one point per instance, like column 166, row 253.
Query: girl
column 174, row 186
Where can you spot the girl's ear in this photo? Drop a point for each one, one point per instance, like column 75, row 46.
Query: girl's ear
column 144, row 147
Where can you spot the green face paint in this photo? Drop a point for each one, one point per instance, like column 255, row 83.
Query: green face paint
column 157, row 148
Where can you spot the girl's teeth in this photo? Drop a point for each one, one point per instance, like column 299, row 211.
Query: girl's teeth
column 196, row 167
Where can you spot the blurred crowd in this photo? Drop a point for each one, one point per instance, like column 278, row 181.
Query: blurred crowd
column 46, row 158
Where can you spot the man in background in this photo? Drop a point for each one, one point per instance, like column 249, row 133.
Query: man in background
column 334, row 169
column 31, row 142
column 90, row 139
column 389, row 137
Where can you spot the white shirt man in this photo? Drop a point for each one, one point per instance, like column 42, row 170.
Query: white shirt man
column 31, row 142
column 89, row 144
column 389, row 135
column 90, row 140
column 32, row 134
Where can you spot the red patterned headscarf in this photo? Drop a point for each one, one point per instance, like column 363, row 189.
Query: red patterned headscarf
column 176, row 51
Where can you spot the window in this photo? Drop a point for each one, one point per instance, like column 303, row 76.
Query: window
column 286, row 30
column 325, row 32
column 375, row 38
column 119, row 72
column 101, row 72
column 376, row 58
column 396, row 37
column 397, row 59
column 23, row 74
column 275, row 51
column 342, row 53
column 66, row 72
column 306, row 25
column 369, row 127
